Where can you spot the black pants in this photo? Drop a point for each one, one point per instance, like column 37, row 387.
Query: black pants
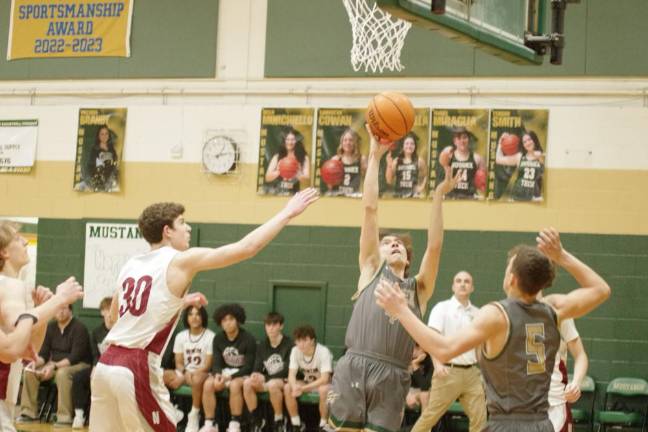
column 81, row 389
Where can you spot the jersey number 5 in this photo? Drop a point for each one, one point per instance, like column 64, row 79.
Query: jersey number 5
column 536, row 348
column 136, row 295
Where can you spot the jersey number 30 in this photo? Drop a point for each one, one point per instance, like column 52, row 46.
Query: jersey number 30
column 135, row 295
column 535, row 347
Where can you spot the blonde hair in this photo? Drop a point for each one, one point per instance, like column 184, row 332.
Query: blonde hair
column 356, row 143
column 8, row 230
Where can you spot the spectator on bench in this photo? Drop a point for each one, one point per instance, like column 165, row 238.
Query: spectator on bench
column 193, row 352
column 234, row 350
column 314, row 361
column 270, row 372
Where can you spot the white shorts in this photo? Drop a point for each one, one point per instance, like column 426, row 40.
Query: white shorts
column 558, row 416
column 128, row 394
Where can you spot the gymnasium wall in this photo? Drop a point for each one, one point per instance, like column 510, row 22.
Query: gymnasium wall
column 597, row 169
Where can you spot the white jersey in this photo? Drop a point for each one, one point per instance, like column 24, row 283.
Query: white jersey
column 568, row 333
column 148, row 311
column 194, row 349
column 320, row 362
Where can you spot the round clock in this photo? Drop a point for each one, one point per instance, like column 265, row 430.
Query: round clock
column 219, row 154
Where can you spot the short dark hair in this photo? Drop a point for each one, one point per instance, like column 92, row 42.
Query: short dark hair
column 406, row 238
column 532, row 268
column 303, row 332
column 234, row 309
column 105, row 303
column 274, row 318
column 201, row 311
column 155, row 217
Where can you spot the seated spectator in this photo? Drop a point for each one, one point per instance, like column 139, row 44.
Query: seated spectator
column 234, row 350
column 314, row 364
column 65, row 351
column 421, row 369
column 192, row 350
column 270, row 373
column 81, row 379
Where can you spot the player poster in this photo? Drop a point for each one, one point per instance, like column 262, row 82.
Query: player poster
column 460, row 141
column 342, row 147
column 285, row 150
column 404, row 169
column 518, row 146
column 100, row 144
column 18, row 140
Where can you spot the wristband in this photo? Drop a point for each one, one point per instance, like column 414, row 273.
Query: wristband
column 26, row 315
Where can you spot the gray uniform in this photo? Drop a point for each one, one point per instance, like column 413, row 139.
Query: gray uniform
column 517, row 379
column 371, row 380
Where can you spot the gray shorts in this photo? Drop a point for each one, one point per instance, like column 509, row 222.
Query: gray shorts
column 367, row 393
column 517, row 422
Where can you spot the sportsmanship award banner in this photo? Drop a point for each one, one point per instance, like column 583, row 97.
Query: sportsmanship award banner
column 69, row 28
column 17, row 145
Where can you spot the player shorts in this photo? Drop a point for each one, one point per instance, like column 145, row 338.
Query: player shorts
column 128, row 394
column 519, row 422
column 367, row 393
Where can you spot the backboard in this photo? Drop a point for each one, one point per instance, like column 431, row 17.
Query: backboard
column 497, row 26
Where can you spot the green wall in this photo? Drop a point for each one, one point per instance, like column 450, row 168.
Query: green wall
column 168, row 40
column 312, row 38
column 615, row 335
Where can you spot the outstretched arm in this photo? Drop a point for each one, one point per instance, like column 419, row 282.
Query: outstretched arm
column 426, row 277
column 369, row 258
column 489, row 322
column 594, row 290
column 186, row 264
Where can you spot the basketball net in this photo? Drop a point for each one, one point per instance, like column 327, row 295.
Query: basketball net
column 377, row 37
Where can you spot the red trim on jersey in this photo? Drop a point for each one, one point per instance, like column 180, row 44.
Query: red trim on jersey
column 136, row 360
column 4, row 379
column 567, row 427
column 160, row 339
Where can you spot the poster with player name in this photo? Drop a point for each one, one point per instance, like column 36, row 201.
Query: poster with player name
column 100, row 145
column 342, row 146
column 518, row 146
column 404, row 168
column 285, row 145
column 460, row 141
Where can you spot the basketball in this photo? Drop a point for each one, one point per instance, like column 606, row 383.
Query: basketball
column 390, row 116
column 480, row 179
column 288, row 167
column 510, row 144
column 332, row 172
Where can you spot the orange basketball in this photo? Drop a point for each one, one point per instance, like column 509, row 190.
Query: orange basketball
column 288, row 167
column 510, row 144
column 390, row 116
column 480, row 179
column 332, row 172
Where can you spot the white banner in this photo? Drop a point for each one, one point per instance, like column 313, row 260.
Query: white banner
column 107, row 248
column 18, row 145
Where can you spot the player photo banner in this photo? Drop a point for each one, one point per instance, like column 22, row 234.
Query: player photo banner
column 69, row 28
column 285, row 145
column 460, row 140
column 404, row 168
column 518, row 145
column 341, row 151
column 100, row 144
column 18, row 140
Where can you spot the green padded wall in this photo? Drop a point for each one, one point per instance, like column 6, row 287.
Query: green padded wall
column 168, row 40
column 312, row 38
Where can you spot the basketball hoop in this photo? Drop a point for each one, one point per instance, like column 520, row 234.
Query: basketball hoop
column 377, row 37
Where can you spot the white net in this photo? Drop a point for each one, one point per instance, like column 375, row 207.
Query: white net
column 377, row 37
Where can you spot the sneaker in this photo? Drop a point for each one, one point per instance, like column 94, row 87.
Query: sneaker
column 23, row 418
column 258, row 425
column 62, row 424
column 193, row 422
column 300, row 428
column 78, row 422
column 179, row 414
column 208, row 429
column 232, row 428
column 279, row 426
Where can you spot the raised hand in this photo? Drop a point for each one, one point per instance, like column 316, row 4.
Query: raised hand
column 194, row 299
column 390, row 297
column 548, row 241
column 376, row 146
column 300, row 201
column 70, row 290
column 449, row 182
column 41, row 294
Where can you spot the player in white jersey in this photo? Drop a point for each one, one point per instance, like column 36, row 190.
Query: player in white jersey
column 127, row 389
column 18, row 336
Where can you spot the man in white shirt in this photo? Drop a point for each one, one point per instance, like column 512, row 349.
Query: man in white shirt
column 460, row 378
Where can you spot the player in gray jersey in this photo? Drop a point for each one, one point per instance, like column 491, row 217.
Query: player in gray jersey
column 518, row 336
column 371, row 380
